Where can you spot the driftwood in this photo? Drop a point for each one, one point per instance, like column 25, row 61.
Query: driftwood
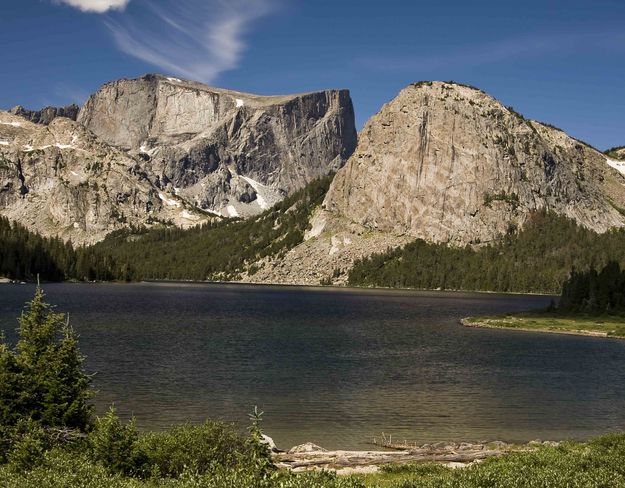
column 63, row 435
column 310, row 456
column 340, row 459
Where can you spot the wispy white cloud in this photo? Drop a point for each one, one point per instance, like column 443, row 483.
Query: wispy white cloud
column 97, row 6
column 524, row 47
column 197, row 39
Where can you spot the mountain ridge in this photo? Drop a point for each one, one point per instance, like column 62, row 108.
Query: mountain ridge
column 443, row 162
column 47, row 114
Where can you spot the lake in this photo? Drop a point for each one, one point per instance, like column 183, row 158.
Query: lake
column 336, row 366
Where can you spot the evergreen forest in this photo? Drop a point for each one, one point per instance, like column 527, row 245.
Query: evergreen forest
column 536, row 259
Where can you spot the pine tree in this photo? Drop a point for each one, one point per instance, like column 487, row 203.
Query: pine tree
column 43, row 379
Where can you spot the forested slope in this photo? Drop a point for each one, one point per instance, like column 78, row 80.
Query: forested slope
column 25, row 254
column 538, row 258
column 215, row 251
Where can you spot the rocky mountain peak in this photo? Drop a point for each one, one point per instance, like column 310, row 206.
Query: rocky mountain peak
column 159, row 150
column 227, row 152
column 448, row 163
column 60, row 180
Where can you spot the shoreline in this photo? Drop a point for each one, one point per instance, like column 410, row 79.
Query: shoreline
column 286, row 285
column 310, row 457
column 471, row 322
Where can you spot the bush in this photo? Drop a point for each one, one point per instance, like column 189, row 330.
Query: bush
column 115, row 445
column 61, row 468
column 259, row 452
column 29, row 443
column 194, row 448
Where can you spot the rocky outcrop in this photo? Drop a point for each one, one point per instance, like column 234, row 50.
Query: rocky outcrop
column 47, row 114
column 60, row 180
column 227, row 152
column 448, row 163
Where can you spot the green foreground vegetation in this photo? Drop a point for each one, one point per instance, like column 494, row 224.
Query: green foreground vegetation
column 49, row 437
column 596, row 464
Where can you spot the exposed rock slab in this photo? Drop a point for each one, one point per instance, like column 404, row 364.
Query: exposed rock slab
column 448, row 163
column 327, row 254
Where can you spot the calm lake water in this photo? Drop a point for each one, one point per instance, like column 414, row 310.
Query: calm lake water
column 336, row 367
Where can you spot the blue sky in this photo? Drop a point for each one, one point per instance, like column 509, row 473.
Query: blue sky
column 561, row 62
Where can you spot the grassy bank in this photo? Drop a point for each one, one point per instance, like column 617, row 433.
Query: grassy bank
column 555, row 323
column 598, row 463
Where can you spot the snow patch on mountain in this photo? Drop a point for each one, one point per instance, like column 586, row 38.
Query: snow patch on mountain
column 232, row 212
column 617, row 165
column 169, row 201
column 261, row 192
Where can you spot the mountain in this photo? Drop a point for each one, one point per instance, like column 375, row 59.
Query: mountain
column 441, row 167
column 163, row 151
column 230, row 153
column 47, row 114
column 449, row 164
column 60, row 180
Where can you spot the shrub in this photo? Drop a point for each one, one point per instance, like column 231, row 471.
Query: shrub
column 61, row 468
column 194, row 448
column 259, row 452
column 29, row 443
column 115, row 445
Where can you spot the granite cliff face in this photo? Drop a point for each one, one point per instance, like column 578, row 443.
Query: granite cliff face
column 60, row 180
column 47, row 114
column 448, row 163
column 226, row 152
